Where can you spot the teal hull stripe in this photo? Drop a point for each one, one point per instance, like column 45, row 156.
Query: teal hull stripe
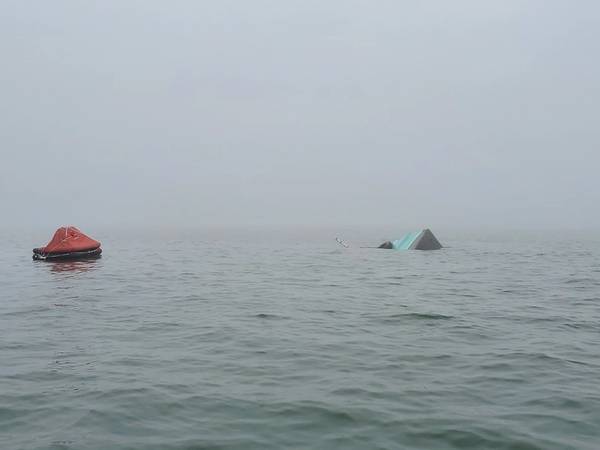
column 406, row 242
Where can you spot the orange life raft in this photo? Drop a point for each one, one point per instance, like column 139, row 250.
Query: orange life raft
column 68, row 243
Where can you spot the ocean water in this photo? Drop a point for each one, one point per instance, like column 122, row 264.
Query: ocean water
column 285, row 340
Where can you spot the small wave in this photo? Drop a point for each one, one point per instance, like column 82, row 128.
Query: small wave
column 532, row 358
column 24, row 312
column 433, row 316
column 474, row 438
column 582, row 325
column 414, row 316
column 584, row 280
column 319, row 411
column 154, row 326
column 269, row 316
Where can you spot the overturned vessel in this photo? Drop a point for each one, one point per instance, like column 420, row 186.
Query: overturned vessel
column 68, row 243
column 416, row 240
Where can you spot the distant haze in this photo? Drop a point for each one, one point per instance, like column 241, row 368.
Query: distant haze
column 439, row 114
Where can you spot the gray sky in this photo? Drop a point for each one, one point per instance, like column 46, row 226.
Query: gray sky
column 440, row 114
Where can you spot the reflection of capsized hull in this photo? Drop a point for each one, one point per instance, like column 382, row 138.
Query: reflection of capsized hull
column 38, row 254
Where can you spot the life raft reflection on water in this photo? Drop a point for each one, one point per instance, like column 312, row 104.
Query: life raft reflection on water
column 68, row 243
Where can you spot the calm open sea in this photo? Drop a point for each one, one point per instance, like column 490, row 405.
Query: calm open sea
column 285, row 340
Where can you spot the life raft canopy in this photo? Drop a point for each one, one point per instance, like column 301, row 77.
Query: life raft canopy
column 416, row 240
column 68, row 243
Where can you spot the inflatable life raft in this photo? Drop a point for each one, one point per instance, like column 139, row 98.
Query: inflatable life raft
column 68, row 243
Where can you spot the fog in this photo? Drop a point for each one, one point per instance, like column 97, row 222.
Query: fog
column 237, row 113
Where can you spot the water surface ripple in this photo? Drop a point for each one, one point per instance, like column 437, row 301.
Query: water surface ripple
column 196, row 342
